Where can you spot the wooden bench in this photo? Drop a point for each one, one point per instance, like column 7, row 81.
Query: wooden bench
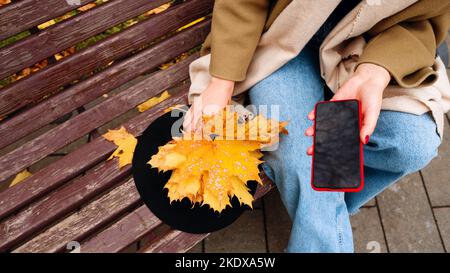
column 52, row 118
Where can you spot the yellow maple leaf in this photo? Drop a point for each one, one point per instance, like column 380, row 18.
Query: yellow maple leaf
column 216, row 189
column 241, row 191
column 4, row 2
column 174, row 107
column 20, row 177
column 181, row 186
column 87, row 7
column 158, row 9
column 54, row 21
column 171, row 63
column 226, row 125
column 65, row 53
column 126, row 143
column 153, row 101
column 191, row 23
column 46, row 24
column 211, row 172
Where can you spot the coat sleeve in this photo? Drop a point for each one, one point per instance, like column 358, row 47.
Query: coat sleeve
column 406, row 43
column 237, row 26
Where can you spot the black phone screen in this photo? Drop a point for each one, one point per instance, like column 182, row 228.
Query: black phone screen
column 337, row 159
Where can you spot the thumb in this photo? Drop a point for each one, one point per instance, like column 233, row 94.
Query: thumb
column 339, row 95
column 346, row 91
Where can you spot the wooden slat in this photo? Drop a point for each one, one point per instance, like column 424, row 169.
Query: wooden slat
column 99, row 84
column 123, row 233
column 81, row 224
column 22, row 15
column 56, row 38
column 268, row 185
column 49, row 80
column 174, row 241
column 58, row 203
column 76, row 162
column 58, row 137
column 134, row 227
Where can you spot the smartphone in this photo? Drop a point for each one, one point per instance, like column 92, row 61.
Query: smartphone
column 337, row 160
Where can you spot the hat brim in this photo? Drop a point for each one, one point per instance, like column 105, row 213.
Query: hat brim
column 181, row 215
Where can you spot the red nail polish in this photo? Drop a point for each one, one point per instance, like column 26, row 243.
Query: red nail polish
column 366, row 139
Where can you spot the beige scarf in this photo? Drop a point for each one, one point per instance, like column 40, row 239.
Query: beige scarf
column 295, row 26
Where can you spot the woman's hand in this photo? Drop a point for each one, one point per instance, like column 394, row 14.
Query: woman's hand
column 216, row 96
column 367, row 85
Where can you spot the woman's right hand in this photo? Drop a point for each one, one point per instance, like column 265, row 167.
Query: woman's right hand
column 216, row 96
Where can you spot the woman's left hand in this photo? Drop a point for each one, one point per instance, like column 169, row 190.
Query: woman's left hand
column 367, row 85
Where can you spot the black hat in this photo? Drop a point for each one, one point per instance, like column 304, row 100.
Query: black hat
column 181, row 215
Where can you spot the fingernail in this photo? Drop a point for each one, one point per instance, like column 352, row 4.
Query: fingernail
column 366, row 139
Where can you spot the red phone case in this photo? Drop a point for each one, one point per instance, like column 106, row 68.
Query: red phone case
column 361, row 156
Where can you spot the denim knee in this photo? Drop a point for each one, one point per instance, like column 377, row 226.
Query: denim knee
column 413, row 151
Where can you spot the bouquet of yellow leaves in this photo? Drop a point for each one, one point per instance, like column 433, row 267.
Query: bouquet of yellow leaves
column 213, row 167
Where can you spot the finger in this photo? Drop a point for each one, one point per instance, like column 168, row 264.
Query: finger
column 187, row 122
column 199, row 127
column 211, row 109
column 309, row 131
column 369, row 123
column 196, row 118
column 190, row 120
column 311, row 115
column 310, row 150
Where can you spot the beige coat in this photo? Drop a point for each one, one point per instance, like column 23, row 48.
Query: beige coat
column 298, row 22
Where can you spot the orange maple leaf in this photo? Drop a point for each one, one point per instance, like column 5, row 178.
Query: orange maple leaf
column 126, row 143
column 211, row 172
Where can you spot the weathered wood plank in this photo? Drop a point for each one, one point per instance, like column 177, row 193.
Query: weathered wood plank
column 250, row 225
column 368, row 232
column 84, row 222
column 56, row 38
column 77, row 162
column 58, row 137
column 174, row 242
column 99, row 84
column 198, row 248
column 22, row 15
column 443, row 221
column 48, row 81
column 58, row 203
column 277, row 222
column 267, row 186
column 123, row 233
column 134, row 227
column 15, row 229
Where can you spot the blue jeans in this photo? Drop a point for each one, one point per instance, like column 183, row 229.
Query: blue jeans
column 401, row 144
